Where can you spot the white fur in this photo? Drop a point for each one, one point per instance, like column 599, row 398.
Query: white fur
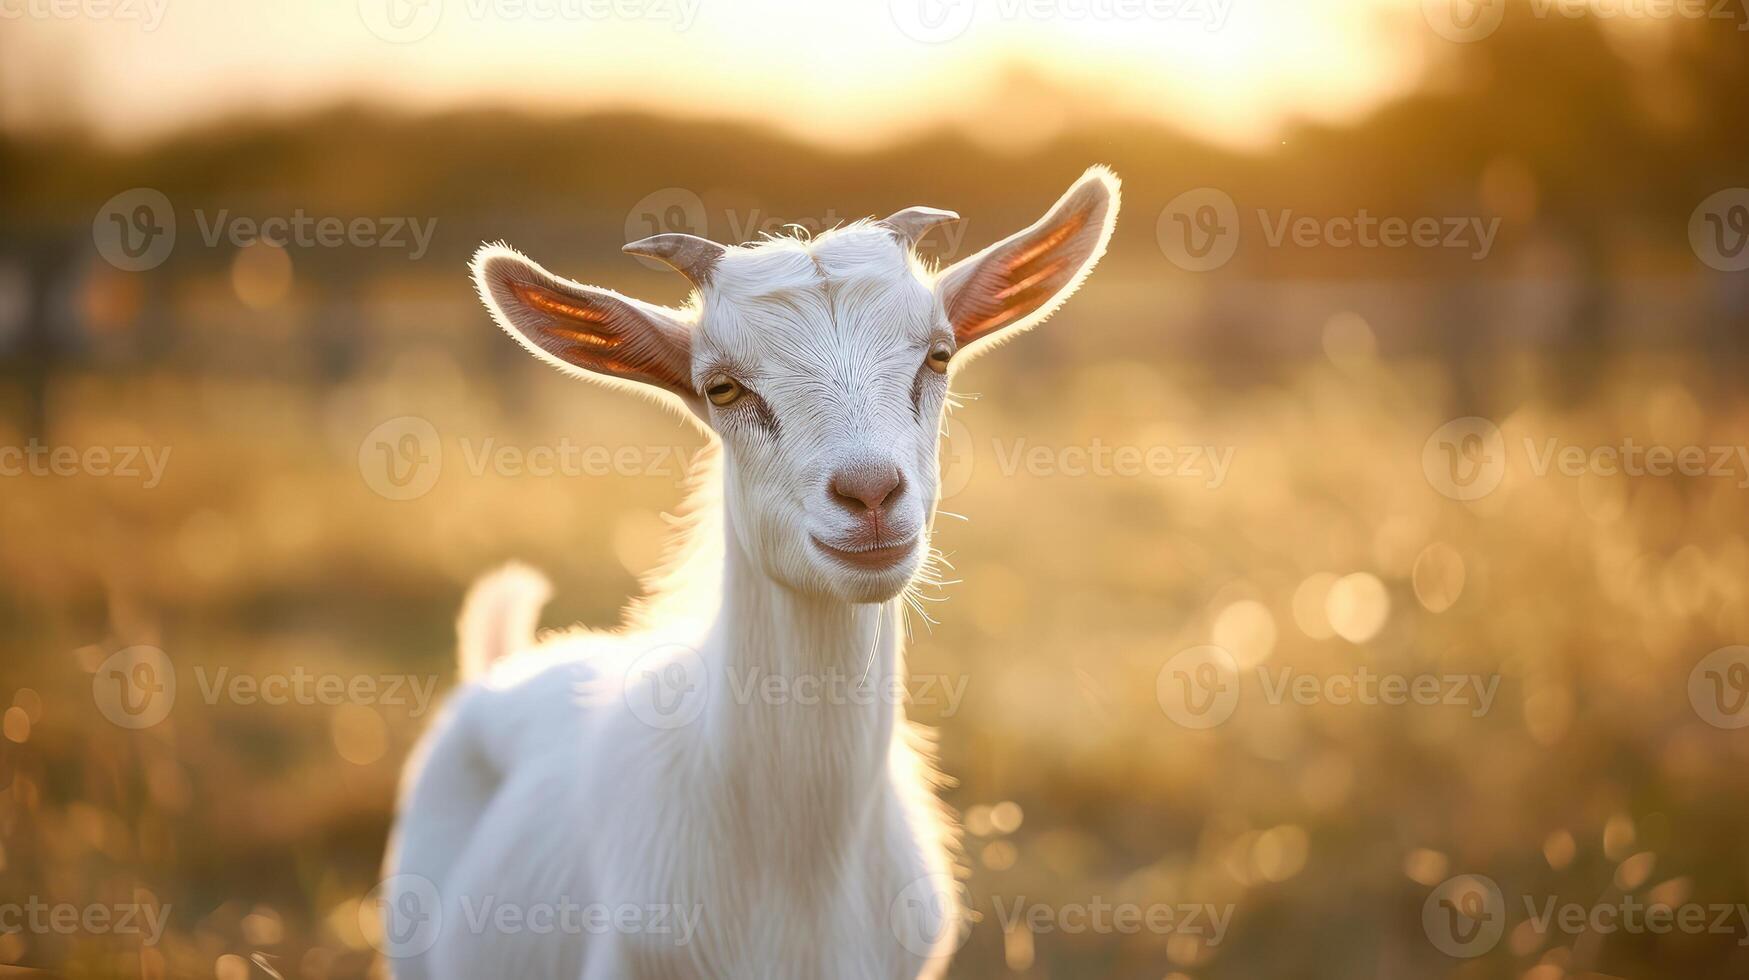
column 804, row 839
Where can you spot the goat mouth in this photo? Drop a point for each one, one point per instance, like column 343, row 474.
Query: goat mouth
column 870, row 559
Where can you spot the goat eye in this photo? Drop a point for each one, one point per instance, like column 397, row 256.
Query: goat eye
column 939, row 354
column 722, row 389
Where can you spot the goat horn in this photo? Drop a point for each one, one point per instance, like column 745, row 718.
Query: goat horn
column 689, row 255
column 912, row 223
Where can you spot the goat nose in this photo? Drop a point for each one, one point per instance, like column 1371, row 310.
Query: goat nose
column 866, row 488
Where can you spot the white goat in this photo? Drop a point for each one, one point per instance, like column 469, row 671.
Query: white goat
column 645, row 803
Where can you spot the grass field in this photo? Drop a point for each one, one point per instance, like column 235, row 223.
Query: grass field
column 1119, row 511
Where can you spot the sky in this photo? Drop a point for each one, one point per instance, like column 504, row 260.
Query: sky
column 847, row 72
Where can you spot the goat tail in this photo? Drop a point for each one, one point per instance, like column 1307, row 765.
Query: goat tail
column 499, row 617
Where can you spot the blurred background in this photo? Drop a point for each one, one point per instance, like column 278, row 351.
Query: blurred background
column 1400, row 293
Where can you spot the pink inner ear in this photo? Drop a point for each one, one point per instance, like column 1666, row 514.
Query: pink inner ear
column 607, row 336
column 551, row 305
column 1063, row 233
column 1032, row 280
column 1017, row 280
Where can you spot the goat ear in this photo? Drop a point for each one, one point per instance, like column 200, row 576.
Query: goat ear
column 1016, row 283
column 583, row 328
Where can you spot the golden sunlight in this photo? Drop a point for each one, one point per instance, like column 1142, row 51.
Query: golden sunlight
column 854, row 73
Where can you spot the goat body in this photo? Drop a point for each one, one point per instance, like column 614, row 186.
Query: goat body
column 666, row 800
